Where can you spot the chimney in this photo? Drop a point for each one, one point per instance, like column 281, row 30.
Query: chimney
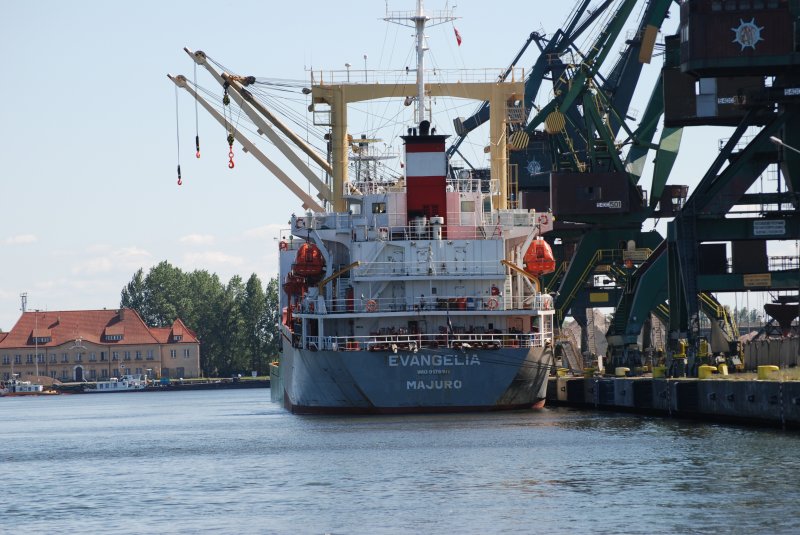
column 121, row 314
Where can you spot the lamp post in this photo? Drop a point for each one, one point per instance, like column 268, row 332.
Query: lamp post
column 365, row 67
column 778, row 141
column 347, row 66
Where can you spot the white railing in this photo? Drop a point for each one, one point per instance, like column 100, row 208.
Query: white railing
column 356, row 75
column 428, row 304
column 416, row 342
column 430, row 268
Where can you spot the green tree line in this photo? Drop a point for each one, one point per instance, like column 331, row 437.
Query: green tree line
column 235, row 322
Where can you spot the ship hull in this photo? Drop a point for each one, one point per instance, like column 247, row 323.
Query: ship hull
column 430, row 381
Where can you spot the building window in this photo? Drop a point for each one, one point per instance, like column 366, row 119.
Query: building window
column 186, row 353
column 113, row 337
column 102, row 356
column 115, row 355
column 64, row 357
column 6, row 376
column 103, row 373
column 127, row 355
column 53, row 358
column 17, row 359
column 149, row 354
column 92, row 374
column 53, row 374
column 178, row 337
column 64, row 376
column 79, row 357
column 138, row 355
column 92, row 357
column 6, row 359
column 173, row 353
column 40, row 358
column 29, row 359
column 180, row 372
column 139, row 371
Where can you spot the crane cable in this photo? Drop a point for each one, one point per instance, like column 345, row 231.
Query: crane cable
column 228, row 114
column 178, row 136
column 196, row 120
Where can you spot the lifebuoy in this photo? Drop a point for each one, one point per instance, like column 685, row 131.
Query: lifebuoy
column 492, row 304
column 283, row 246
column 372, row 306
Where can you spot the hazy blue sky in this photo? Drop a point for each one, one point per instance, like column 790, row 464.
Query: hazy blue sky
column 88, row 130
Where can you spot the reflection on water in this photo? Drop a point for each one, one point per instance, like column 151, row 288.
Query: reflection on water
column 230, row 461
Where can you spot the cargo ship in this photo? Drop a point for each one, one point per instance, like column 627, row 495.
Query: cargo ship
column 417, row 293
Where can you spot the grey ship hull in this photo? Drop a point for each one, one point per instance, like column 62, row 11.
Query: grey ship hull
column 432, row 380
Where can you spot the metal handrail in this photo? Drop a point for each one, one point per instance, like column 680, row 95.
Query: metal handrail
column 412, row 342
column 409, row 304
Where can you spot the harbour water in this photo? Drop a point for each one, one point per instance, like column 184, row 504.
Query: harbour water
column 232, row 462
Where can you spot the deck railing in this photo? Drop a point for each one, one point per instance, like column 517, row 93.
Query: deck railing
column 424, row 304
column 416, row 342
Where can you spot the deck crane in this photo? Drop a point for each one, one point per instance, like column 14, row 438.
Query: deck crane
column 266, row 123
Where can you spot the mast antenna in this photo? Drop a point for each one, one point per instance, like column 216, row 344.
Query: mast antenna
column 418, row 20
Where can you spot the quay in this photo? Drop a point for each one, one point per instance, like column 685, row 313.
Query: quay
column 740, row 400
column 178, row 385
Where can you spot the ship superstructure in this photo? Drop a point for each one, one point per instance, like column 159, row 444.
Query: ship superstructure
column 416, row 298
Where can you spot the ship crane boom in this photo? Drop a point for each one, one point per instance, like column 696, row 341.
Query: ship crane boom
column 307, row 200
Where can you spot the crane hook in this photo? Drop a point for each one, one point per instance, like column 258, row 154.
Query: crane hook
column 180, row 182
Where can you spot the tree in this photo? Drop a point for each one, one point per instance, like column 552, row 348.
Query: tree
column 235, row 323
column 133, row 294
column 254, row 316
column 272, row 343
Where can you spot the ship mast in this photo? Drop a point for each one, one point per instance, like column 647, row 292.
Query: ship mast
column 420, row 19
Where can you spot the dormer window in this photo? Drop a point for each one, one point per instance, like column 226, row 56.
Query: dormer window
column 113, row 337
column 42, row 339
column 178, row 337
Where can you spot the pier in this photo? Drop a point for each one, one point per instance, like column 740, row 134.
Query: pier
column 740, row 400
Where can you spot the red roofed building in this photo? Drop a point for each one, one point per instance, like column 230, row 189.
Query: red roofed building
column 78, row 345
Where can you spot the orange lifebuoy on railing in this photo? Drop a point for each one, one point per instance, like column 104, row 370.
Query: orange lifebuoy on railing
column 492, row 303
column 283, row 246
column 372, row 306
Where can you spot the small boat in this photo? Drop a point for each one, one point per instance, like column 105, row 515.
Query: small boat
column 128, row 383
column 15, row 387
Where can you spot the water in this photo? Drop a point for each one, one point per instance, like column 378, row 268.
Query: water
column 230, row 461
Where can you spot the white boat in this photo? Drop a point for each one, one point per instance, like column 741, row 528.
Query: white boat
column 15, row 387
column 128, row 383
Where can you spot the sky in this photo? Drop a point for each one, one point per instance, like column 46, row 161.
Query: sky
column 88, row 145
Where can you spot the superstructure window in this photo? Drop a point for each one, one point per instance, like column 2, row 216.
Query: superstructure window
column 379, row 208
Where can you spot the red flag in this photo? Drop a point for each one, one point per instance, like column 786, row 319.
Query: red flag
column 458, row 36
